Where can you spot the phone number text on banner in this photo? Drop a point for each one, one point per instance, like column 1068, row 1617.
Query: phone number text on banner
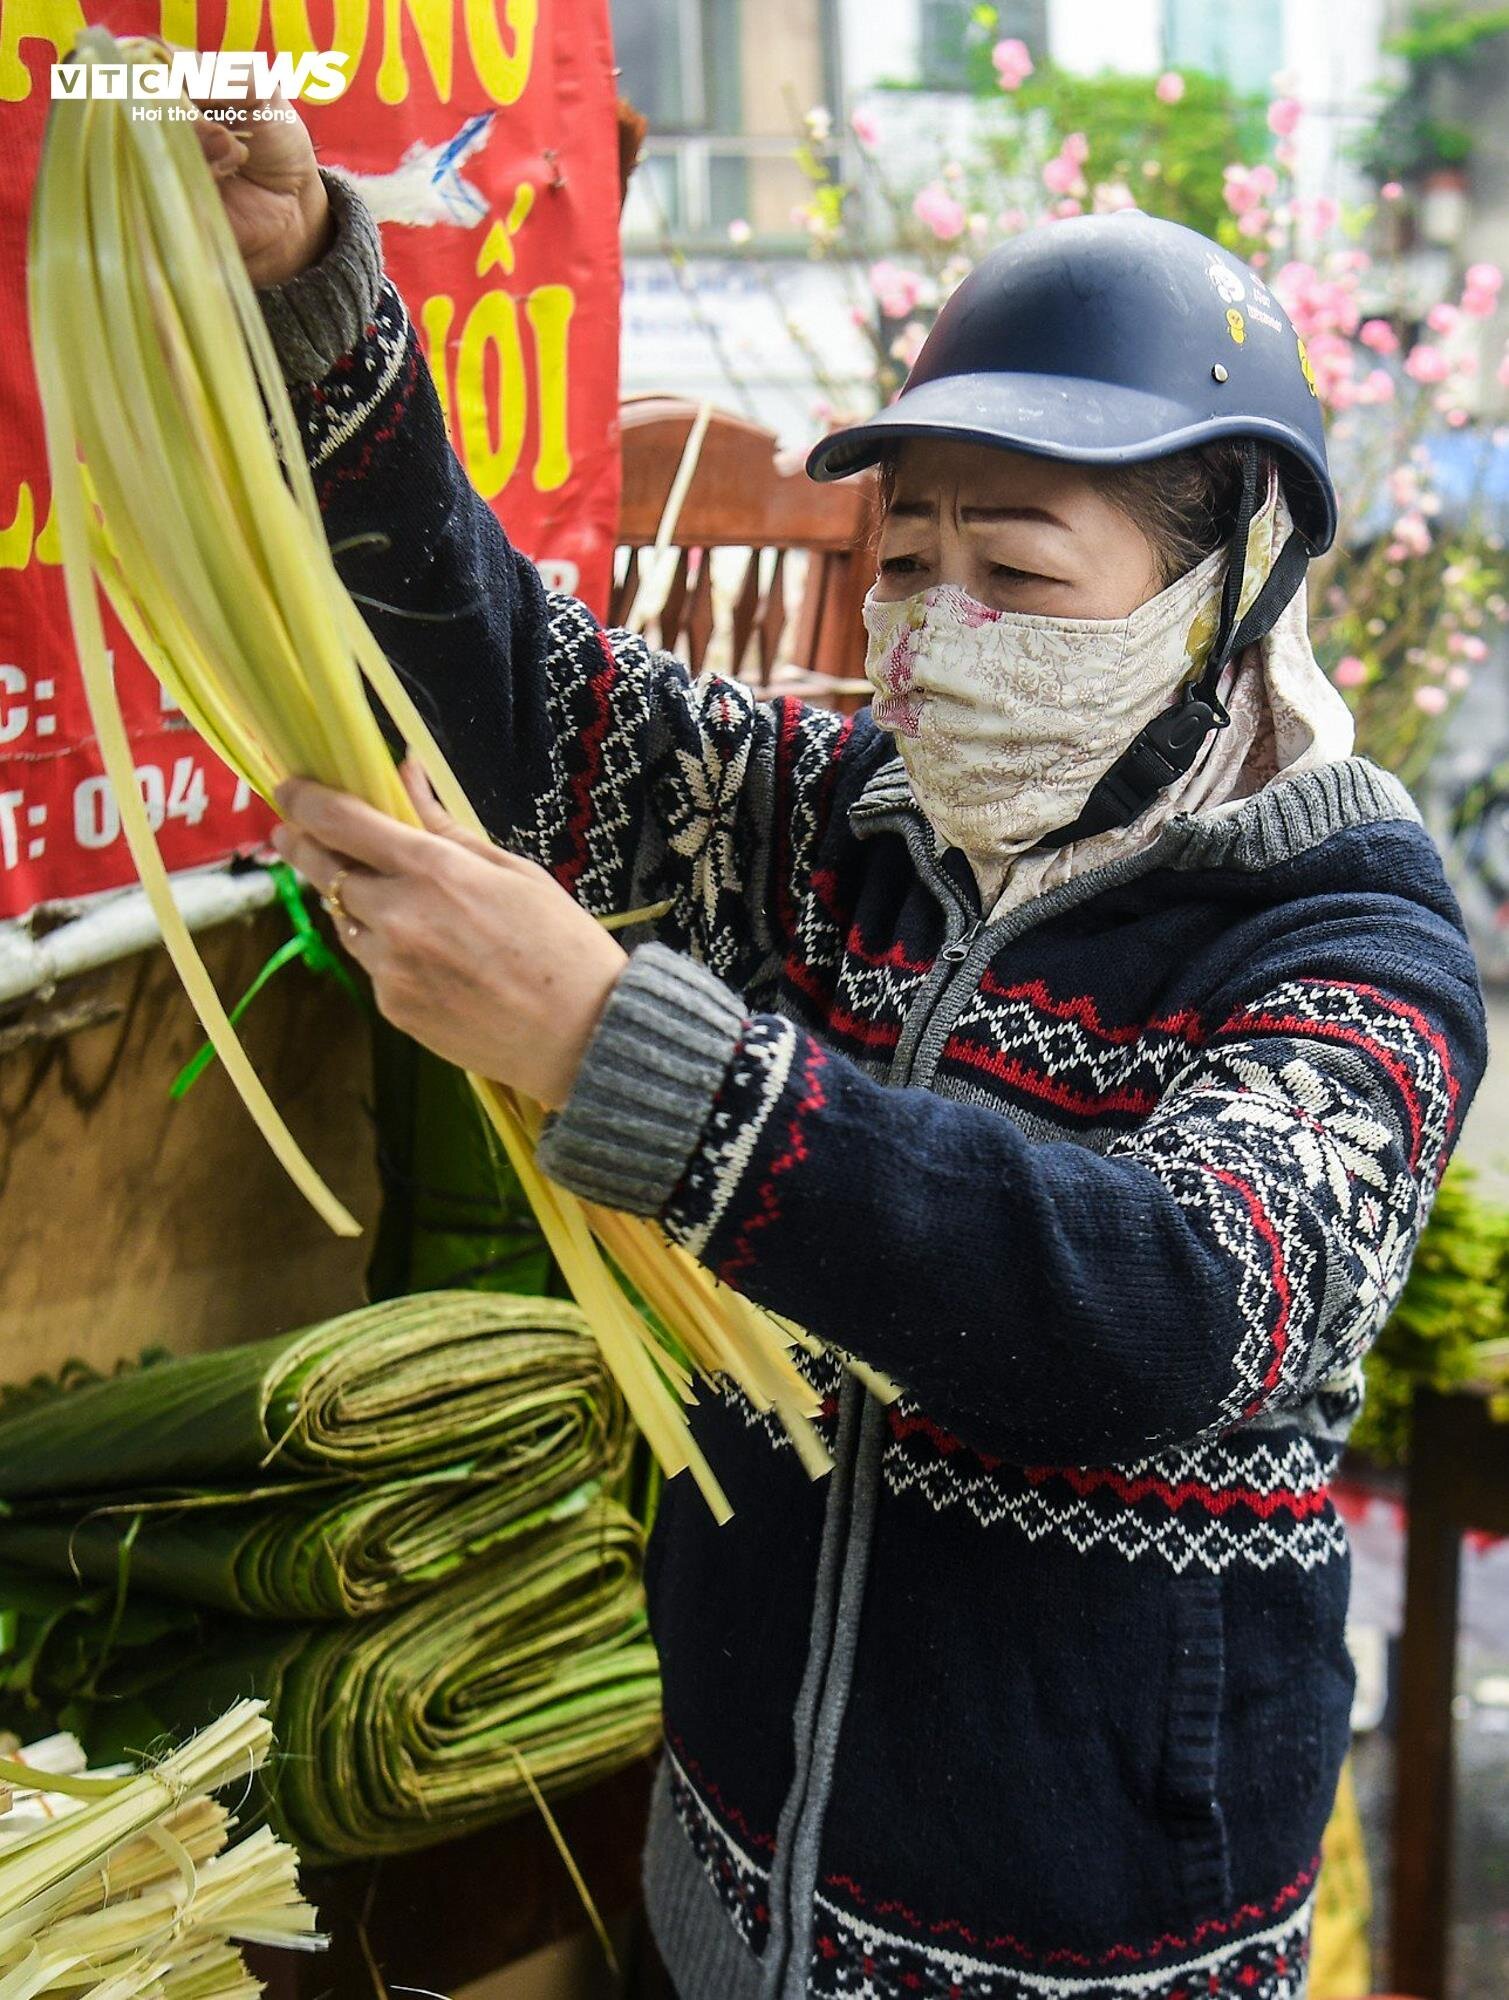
column 482, row 135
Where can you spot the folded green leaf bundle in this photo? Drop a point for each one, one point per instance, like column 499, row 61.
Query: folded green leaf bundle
column 181, row 492
column 393, row 1732
column 321, row 1554
column 432, row 1381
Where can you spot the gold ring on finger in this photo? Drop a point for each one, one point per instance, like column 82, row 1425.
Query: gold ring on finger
column 340, row 916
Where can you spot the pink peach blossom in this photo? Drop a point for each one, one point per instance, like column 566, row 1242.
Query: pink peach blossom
column 1412, row 534
column 1350, row 672
column 908, row 343
column 865, row 130
column 1479, row 305
column 896, row 289
column 1170, row 87
column 1061, row 175
column 1245, row 188
column 1378, row 386
column 1458, row 642
column 1431, row 700
column 1284, row 114
column 1458, row 679
column 1067, row 209
column 1379, row 335
column 1443, row 318
column 1013, row 63
column 1076, row 148
column 1392, row 190
column 1484, row 278
column 1426, row 363
column 935, row 207
column 1287, row 154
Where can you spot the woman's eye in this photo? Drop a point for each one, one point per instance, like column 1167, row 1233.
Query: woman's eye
column 900, row 566
column 1010, row 575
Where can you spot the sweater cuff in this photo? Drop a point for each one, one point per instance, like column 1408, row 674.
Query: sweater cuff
column 646, row 1086
column 321, row 314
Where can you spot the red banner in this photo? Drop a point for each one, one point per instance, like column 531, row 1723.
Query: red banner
column 482, row 135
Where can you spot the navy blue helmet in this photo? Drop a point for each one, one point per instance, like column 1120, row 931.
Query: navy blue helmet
column 1113, row 340
column 1108, row 340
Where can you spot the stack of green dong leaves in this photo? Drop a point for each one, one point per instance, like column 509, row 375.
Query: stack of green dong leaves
column 399, row 1527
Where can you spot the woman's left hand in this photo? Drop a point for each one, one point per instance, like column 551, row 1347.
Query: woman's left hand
column 473, row 951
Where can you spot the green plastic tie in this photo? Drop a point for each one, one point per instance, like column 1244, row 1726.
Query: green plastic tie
column 305, row 943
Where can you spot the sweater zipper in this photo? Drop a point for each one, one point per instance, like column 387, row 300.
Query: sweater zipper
column 959, row 950
column 952, row 955
column 783, row 1965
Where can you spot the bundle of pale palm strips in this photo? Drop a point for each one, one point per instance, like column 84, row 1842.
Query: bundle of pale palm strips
column 180, row 487
column 121, row 1883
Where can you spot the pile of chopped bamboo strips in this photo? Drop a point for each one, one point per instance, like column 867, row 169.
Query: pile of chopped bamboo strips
column 181, row 489
column 122, row 1884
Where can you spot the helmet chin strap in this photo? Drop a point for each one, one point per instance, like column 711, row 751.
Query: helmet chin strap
column 1167, row 748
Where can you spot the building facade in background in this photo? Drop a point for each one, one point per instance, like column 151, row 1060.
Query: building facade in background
column 755, row 323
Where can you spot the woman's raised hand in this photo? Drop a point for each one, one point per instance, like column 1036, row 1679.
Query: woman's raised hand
column 475, row 952
column 270, row 183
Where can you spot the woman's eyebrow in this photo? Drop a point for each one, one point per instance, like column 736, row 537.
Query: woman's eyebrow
column 1013, row 514
column 926, row 510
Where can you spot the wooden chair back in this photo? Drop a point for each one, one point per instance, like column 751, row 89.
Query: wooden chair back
column 743, row 497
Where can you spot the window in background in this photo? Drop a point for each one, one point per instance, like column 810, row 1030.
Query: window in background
column 662, row 61
column 1244, row 44
column 679, row 63
column 725, row 85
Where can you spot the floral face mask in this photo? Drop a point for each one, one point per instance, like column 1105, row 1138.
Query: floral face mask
column 1005, row 720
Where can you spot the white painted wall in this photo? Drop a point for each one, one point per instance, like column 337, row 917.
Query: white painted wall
column 878, row 40
column 1090, row 35
column 1332, row 57
column 763, row 323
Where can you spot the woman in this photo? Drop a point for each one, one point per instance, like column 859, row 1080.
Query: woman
column 1087, row 1067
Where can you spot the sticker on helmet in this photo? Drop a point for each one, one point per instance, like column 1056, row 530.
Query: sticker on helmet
column 1228, row 284
column 1307, row 367
column 1236, row 326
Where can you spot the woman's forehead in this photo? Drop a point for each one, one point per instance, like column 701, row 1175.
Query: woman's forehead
column 956, row 470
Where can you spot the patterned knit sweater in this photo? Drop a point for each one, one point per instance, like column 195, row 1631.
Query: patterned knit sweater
column 1044, row 1691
